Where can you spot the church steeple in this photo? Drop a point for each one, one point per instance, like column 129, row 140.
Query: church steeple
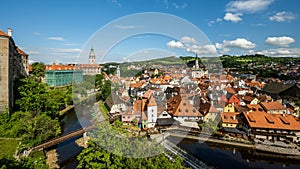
column 92, row 57
column 196, row 62
column 118, row 72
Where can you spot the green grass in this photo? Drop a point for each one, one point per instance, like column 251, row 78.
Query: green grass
column 8, row 147
column 103, row 110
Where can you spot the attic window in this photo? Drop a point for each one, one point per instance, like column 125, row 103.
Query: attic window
column 194, row 110
column 269, row 119
column 186, row 110
column 251, row 118
column 284, row 121
column 184, row 104
column 225, row 117
column 179, row 110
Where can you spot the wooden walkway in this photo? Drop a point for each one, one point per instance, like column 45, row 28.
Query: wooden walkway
column 60, row 139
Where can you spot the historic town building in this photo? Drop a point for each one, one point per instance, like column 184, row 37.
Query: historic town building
column 61, row 75
column 91, row 68
column 13, row 64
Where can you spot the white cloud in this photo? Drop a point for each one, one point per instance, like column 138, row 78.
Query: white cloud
column 233, row 17
column 189, row 44
column 248, row 6
column 71, row 44
column 127, row 26
column 175, row 44
column 240, row 43
column 64, row 50
column 36, row 33
column 206, row 49
column 283, row 16
column 283, row 41
column 116, row 2
column 57, row 38
column 210, row 23
column 187, row 39
column 281, row 52
column 177, row 5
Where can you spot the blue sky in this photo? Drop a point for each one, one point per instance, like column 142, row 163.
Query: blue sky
column 61, row 31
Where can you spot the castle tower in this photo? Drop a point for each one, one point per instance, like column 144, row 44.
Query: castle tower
column 118, row 72
column 92, row 56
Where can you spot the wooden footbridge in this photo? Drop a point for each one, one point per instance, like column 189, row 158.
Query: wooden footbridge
column 61, row 139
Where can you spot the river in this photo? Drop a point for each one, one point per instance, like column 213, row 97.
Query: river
column 227, row 157
column 218, row 156
column 68, row 150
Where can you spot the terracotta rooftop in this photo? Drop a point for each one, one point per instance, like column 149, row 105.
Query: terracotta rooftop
column 248, row 98
column 21, row 52
column 148, row 94
column 139, row 106
column 3, row 34
column 178, row 106
column 136, row 85
column 272, row 106
column 255, row 107
column 272, row 121
column 230, row 117
column 230, row 90
column 60, row 67
column 152, row 102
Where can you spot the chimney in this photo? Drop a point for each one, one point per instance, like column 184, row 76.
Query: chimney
column 9, row 32
column 234, row 117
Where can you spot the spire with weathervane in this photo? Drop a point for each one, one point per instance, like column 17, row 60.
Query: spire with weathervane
column 92, row 57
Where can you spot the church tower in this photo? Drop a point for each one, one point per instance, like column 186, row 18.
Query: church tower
column 118, row 72
column 196, row 62
column 92, row 56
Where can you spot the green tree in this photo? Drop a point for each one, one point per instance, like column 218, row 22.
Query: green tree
column 31, row 92
column 106, row 89
column 38, row 69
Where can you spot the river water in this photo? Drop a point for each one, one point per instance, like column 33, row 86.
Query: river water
column 226, row 157
column 68, row 150
column 217, row 156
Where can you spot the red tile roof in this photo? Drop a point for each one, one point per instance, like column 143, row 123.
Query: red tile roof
column 255, row 107
column 272, row 106
column 21, row 52
column 230, row 90
column 230, row 117
column 272, row 121
column 60, row 67
column 3, row 34
column 178, row 106
column 152, row 102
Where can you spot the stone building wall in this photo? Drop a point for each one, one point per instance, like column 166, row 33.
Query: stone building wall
column 13, row 65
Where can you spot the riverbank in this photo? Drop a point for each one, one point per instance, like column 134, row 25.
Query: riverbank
column 275, row 151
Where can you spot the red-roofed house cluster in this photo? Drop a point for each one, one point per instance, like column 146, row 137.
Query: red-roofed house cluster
column 170, row 95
